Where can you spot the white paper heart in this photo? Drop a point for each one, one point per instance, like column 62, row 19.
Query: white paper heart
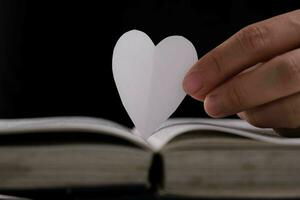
column 149, row 78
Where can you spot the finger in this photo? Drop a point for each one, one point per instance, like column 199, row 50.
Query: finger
column 255, row 43
column 282, row 113
column 274, row 79
column 252, row 68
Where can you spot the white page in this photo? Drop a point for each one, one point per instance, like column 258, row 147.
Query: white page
column 230, row 123
column 132, row 67
column 149, row 78
column 171, row 129
column 85, row 124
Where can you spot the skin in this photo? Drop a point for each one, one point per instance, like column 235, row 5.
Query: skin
column 255, row 74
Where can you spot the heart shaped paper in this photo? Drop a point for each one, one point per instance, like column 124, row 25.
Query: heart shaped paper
column 149, row 78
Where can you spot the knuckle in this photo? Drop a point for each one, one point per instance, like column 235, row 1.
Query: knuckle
column 215, row 59
column 253, row 119
column 253, row 37
column 288, row 71
column 236, row 97
column 293, row 68
column 294, row 20
column 293, row 115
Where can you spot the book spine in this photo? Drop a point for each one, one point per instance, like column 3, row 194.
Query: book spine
column 156, row 173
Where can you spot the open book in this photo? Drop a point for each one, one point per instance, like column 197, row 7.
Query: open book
column 185, row 157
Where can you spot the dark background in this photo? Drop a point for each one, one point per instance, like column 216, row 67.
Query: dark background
column 55, row 56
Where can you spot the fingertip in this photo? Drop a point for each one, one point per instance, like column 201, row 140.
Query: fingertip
column 212, row 106
column 192, row 83
column 241, row 115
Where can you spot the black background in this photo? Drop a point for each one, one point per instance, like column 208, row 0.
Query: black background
column 55, row 56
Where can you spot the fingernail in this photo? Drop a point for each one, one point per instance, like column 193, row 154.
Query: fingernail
column 192, row 83
column 212, row 106
column 241, row 115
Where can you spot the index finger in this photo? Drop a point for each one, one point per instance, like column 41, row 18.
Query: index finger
column 253, row 44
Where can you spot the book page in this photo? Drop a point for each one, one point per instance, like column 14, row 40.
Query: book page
column 84, row 124
column 229, row 123
column 174, row 127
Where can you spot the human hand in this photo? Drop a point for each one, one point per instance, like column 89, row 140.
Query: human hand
column 255, row 74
